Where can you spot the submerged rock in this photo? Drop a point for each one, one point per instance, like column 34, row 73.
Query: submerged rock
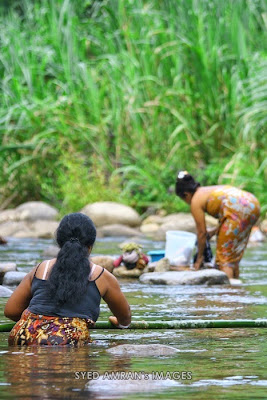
column 6, row 267
column 123, row 272
column 108, row 212
column 13, row 278
column 5, row 292
column 206, row 276
column 143, row 350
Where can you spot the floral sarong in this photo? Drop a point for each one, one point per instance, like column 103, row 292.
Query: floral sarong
column 34, row 329
column 237, row 211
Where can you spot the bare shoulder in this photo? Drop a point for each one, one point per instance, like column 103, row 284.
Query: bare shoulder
column 40, row 268
column 200, row 197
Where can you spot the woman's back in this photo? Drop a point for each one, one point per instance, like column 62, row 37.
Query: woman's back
column 87, row 307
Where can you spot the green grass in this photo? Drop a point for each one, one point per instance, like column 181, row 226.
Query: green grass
column 108, row 99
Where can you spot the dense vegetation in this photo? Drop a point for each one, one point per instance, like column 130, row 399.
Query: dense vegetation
column 108, row 99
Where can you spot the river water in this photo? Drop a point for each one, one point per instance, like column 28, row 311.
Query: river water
column 209, row 364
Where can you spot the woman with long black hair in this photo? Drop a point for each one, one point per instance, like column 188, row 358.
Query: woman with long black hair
column 59, row 300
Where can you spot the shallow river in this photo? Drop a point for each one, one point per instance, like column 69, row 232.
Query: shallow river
column 217, row 363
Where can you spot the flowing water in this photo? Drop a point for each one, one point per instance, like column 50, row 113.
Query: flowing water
column 209, row 364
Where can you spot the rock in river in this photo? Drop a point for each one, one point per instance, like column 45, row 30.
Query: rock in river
column 205, row 276
column 108, row 212
column 34, row 210
column 6, row 267
column 13, row 278
column 143, row 350
column 5, row 292
column 115, row 384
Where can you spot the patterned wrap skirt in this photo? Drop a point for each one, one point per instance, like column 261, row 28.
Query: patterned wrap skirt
column 34, row 329
column 237, row 211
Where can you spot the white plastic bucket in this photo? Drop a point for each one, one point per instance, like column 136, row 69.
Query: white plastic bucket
column 179, row 247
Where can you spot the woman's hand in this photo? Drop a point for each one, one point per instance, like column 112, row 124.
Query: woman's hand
column 197, row 265
column 211, row 232
column 113, row 320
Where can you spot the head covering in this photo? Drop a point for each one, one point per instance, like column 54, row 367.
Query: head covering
column 131, row 246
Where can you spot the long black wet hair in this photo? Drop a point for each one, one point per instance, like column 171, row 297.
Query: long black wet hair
column 68, row 279
column 185, row 183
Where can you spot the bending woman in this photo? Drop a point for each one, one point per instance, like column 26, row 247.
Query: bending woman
column 59, row 300
column 236, row 210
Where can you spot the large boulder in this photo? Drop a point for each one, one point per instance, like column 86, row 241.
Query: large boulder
column 143, row 350
column 7, row 215
column 14, row 228
column 25, row 229
column 5, row 292
column 104, row 261
column 162, row 265
column 6, row 267
column 123, row 272
column 206, row 276
column 178, row 222
column 108, row 212
column 39, row 229
column 117, row 230
column 13, row 278
column 36, row 210
column 150, row 229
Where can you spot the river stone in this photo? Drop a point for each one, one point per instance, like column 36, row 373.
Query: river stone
column 117, row 230
column 34, row 210
column 211, row 221
column 39, row 229
column 104, row 261
column 256, row 235
column 7, row 215
column 108, row 212
column 206, row 276
column 153, row 219
column 13, row 278
column 179, row 222
column 107, row 386
column 150, row 268
column 143, row 350
column 13, row 228
column 123, row 272
column 149, row 229
column 263, row 226
column 6, row 267
column 5, row 292
column 162, row 265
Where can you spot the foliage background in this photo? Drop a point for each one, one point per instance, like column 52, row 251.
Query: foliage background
column 106, row 100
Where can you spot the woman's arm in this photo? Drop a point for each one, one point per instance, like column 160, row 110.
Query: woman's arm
column 116, row 301
column 199, row 217
column 20, row 298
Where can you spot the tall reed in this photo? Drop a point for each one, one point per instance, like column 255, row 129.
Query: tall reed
column 133, row 90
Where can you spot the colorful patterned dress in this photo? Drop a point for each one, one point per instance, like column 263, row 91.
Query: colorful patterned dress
column 237, row 211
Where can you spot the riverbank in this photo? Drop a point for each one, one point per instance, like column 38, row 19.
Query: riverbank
column 37, row 219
